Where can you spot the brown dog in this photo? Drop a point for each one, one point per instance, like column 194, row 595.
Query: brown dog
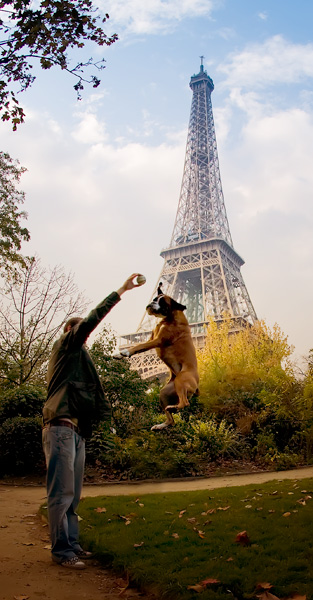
column 173, row 343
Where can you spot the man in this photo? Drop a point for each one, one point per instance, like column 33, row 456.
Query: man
column 75, row 400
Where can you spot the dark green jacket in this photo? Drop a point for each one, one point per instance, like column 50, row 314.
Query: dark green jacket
column 74, row 387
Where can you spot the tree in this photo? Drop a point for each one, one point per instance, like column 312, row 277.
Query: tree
column 129, row 395
column 252, row 357
column 34, row 307
column 247, row 378
column 45, row 33
column 12, row 233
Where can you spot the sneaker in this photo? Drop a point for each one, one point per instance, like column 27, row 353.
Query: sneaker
column 83, row 553
column 73, row 563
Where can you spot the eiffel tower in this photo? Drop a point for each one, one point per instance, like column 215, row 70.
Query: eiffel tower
column 201, row 268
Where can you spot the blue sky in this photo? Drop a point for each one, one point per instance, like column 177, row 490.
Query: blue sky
column 104, row 173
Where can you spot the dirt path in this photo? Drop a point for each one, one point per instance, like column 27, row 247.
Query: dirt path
column 26, row 569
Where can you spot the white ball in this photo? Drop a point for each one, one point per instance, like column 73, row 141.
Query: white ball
column 141, row 279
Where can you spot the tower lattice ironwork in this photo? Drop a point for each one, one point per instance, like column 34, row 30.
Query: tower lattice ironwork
column 201, row 268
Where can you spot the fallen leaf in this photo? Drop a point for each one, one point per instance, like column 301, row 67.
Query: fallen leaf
column 200, row 587
column 100, row 509
column 196, row 588
column 175, row 535
column 138, row 545
column 271, row 511
column 243, row 538
column 182, row 512
column 266, row 596
column 287, row 514
column 192, row 520
column 223, row 507
column 248, row 506
column 21, row 597
column 264, row 586
column 301, row 501
column 28, row 544
column 209, row 581
column 48, row 547
column 230, row 559
column 201, row 534
column 141, row 504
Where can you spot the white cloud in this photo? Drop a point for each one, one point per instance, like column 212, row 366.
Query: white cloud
column 89, row 130
column 153, row 16
column 275, row 61
column 103, row 210
column 268, row 183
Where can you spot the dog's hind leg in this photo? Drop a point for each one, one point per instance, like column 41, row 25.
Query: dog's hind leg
column 185, row 386
column 168, row 394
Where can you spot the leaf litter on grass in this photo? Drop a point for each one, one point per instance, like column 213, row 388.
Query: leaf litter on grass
column 219, row 539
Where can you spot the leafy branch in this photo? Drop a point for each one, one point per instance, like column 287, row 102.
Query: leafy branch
column 46, row 34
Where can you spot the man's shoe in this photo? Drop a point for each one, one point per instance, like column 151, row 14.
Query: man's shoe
column 73, row 563
column 83, row 554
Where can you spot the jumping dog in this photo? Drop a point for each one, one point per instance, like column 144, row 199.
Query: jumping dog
column 172, row 341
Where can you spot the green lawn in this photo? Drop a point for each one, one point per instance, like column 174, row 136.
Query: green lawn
column 168, row 542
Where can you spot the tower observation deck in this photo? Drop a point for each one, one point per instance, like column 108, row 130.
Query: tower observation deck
column 201, row 267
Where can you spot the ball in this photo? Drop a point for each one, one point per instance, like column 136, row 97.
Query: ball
column 141, row 279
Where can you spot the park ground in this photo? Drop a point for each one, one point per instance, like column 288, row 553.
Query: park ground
column 26, row 569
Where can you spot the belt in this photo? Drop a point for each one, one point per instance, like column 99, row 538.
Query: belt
column 63, row 423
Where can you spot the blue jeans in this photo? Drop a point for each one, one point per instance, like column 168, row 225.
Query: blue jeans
column 65, row 459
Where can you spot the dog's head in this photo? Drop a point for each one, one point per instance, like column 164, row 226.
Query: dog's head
column 162, row 305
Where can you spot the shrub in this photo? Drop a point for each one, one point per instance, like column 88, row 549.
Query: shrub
column 100, row 448
column 20, row 446
column 215, row 439
column 156, row 455
column 21, row 401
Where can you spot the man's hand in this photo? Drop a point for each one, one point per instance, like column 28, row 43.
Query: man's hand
column 129, row 284
column 121, row 354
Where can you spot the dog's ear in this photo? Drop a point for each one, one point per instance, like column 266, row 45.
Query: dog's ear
column 160, row 288
column 176, row 306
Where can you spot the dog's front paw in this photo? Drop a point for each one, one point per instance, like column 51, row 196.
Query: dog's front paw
column 121, row 354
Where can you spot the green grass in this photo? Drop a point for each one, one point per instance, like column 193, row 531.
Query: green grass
column 281, row 549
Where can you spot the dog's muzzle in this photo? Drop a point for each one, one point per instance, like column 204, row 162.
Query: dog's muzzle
column 153, row 308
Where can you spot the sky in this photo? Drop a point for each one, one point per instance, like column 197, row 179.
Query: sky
column 104, row 173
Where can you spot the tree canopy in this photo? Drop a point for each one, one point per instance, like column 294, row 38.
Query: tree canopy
column 45, row 32
column 33, row 308
column 12, row 233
